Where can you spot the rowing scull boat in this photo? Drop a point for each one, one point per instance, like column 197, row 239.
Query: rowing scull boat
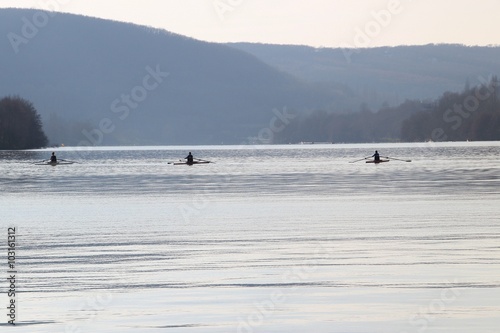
column 189, row 163
column 377, row 162
column 54, row 163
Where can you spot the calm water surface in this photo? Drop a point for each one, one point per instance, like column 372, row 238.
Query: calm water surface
column 266, row 239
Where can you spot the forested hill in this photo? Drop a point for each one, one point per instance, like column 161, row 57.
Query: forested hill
column 473, row 114
column 103, row 82
column 115, row 83
column 384, row 75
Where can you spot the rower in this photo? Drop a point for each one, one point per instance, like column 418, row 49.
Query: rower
column 189, row 158
column 376, row 156
column 53, row 158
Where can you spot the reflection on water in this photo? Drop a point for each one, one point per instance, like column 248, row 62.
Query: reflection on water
column 274, row 239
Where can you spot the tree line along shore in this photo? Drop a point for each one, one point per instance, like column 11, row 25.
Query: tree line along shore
column 473, row 114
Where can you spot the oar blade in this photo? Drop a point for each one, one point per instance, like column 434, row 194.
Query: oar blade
column 68, row 161
column 397, row 159
column 364, row 158
column 199, row 159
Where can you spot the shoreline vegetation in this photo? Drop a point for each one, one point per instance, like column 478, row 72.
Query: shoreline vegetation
column 20, row 125
column 472, row 115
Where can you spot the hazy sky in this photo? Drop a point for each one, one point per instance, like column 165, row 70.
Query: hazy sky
column 330, row 23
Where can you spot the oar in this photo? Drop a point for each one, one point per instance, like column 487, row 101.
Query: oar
column 364, row 158
column 68, row 161
column 397, row 159
column 38, row 162
column 199, row 159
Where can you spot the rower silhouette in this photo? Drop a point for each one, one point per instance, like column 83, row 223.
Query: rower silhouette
column 189, row 158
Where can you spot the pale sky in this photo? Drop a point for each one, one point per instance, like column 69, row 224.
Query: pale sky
column 327, row 23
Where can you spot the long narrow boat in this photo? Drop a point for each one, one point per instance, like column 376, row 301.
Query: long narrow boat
column 377, row 162
column 187, row 163
column 55, row 163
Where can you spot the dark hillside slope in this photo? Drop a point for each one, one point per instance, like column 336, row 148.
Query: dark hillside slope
column 84, row 73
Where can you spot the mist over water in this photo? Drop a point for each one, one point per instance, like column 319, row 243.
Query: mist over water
column 266, row 239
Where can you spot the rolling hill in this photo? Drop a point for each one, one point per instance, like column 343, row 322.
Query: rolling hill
column 101, row 82
column 104, row 82
column 384, row 75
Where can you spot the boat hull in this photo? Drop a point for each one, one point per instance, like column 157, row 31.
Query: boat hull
column 377, row 162
column 186, row 163
column 54, row 163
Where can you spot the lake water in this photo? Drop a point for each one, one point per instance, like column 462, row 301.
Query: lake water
column 266, row 239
